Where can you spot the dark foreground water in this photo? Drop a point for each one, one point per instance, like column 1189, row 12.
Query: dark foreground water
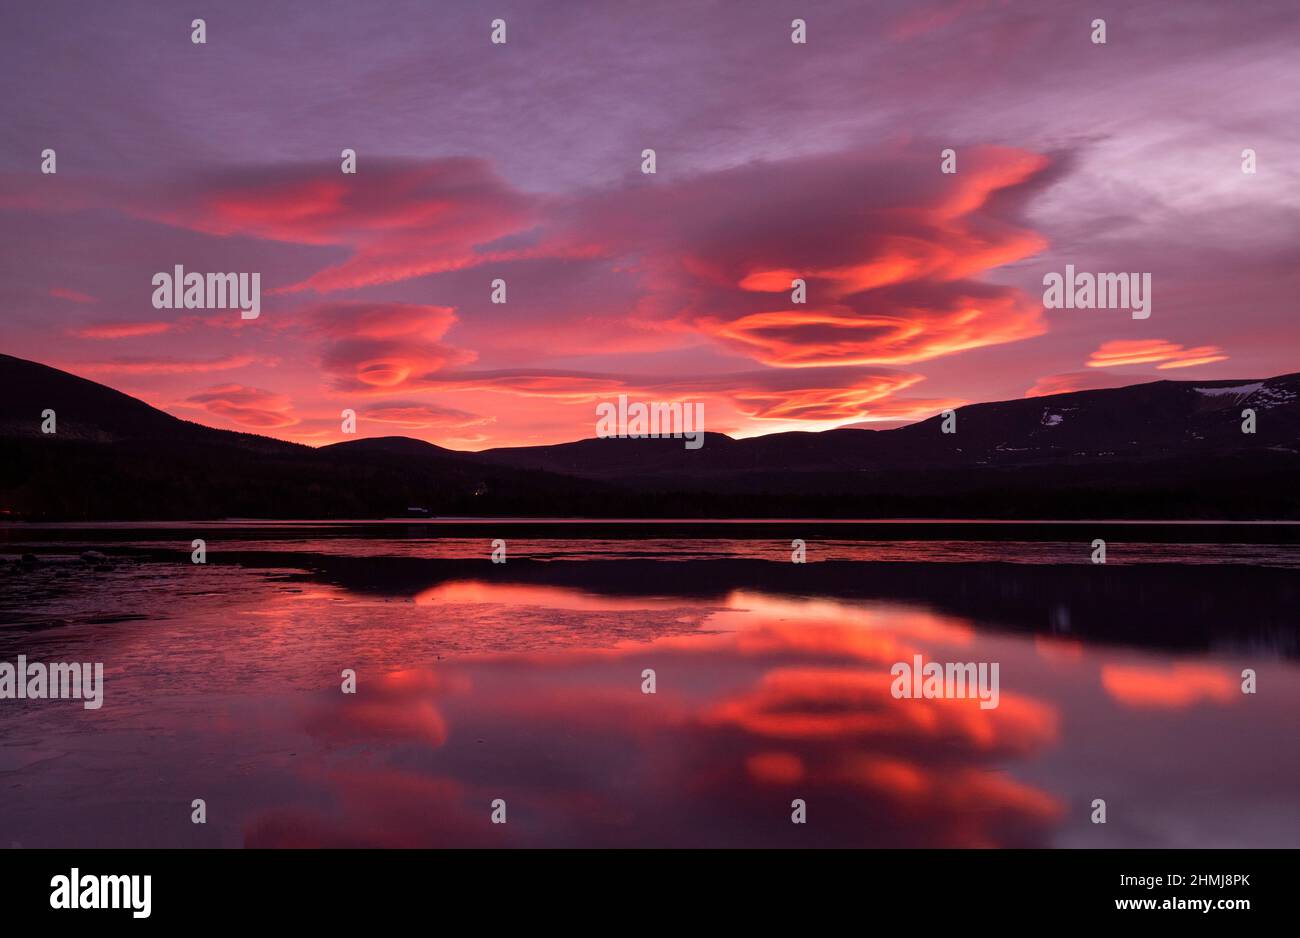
column 523, row 682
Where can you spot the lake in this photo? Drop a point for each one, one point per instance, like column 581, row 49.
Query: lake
column 518, row 688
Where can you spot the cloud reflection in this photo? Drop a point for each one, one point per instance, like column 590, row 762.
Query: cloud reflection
column 772, row 699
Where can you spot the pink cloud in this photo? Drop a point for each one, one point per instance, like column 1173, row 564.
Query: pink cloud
column 75, row 296
column 383, row 347
column 120, row 330
column 417, row 416
column 825, row 395
column 398, row 218
column 163, row 365
column 887, row 247
column 248, row 407
column 1082, row 381
column 892, row 252
column 381, row 320
column 385, row 366
column 1148, row 351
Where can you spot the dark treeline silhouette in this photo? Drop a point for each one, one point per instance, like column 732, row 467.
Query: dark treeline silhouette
column 1163, row 450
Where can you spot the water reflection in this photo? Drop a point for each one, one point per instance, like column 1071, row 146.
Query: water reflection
column 1170, row 686
column 524, row 683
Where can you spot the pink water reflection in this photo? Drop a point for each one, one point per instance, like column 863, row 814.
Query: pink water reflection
column 472, row 690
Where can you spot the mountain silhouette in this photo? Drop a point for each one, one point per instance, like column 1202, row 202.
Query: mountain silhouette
column 1165, row 449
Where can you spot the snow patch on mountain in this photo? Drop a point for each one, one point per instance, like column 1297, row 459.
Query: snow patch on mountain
column 1237, row 390
column 1273, row 397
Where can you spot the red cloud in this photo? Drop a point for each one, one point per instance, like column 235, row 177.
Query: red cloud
column 164, row 366
column 377, row 365
column 120, row 330
column 381, row 320
column 886, row 248
column 397, row 218
column 573, row 387
column 1082, row 381
column 891, row 251
column 856, row 402
column 417, row 416
column 908, row 332
column 248, row 407
column 838, row 394
column 400, row 219
column 833, row 394
column 1147, row 351
column 384, row 347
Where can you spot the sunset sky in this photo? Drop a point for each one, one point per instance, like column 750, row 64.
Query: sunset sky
column 522, row 161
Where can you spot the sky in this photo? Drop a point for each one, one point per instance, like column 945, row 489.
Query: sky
column 522, row 162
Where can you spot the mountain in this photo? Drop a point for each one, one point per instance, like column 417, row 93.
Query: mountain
column 87, row 411
column 1145, row 423
column 116, row 458
column 1165, row 449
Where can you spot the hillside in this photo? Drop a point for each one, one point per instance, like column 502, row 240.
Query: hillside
column 1167, row 449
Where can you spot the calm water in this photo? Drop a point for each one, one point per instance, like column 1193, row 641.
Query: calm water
column 522, row 681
